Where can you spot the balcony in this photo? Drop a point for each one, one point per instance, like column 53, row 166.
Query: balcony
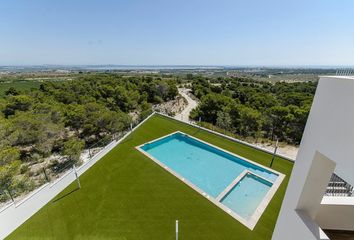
column 337, row 187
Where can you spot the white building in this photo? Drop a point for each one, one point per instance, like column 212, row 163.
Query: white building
column 327, row 146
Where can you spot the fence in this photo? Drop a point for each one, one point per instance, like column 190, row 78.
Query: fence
column 345, row 72
column 46, row 173
column 15, row 213
column 52, row 170
column 194, row 124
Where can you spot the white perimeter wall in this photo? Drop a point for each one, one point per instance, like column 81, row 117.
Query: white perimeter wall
column 330, row 131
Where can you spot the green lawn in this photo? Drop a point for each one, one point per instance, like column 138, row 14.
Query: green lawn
column 128, row 196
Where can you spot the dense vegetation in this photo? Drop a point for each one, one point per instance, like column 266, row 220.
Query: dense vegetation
column 255, row 109
column 62, row 118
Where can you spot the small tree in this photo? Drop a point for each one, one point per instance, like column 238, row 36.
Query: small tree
column 223, row 120
column 72, row 149
column 250, row 121
column 7, row 174
column 9, row 155
column 172, row 90
column 12, row 91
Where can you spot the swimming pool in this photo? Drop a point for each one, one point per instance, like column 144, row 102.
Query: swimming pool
column 240, row 187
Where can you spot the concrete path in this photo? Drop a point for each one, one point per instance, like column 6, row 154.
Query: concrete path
column 184, row 115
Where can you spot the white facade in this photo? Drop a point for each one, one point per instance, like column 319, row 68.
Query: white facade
column 327, row 146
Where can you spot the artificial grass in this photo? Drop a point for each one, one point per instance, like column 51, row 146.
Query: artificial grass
column 127, row 196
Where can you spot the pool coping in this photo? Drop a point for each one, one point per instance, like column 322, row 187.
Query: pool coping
column 237, row 180
column 252, row 221
column 231, row 185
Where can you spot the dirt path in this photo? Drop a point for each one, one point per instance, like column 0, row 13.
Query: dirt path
column 184, row 115
column 286, row 150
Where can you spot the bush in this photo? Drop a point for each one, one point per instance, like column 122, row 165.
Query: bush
column 24, row 168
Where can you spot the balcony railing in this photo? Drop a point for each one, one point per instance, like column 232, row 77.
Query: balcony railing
column 345, row 72
column 338, row 187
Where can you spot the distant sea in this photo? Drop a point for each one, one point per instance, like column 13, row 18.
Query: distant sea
column 28, row 68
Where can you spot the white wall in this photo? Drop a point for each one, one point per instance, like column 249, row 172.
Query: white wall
column 330, row 131
column 315, row 184
column 336, row 213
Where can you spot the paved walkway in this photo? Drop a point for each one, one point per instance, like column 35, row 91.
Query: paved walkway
column 184, row 115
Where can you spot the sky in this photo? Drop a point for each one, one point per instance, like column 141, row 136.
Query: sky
column 179, row 32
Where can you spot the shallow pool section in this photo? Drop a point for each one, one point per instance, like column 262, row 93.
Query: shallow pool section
column 245, row 197
column 235, row 184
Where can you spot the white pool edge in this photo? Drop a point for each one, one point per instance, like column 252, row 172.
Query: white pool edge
column 252, row 221
column 231, row 185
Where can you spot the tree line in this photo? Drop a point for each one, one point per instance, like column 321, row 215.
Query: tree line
column 256, row 109
column 64, row 117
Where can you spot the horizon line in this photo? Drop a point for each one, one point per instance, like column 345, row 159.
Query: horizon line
column 177, row 65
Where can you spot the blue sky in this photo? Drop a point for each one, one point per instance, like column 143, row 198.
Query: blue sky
column 179, row 32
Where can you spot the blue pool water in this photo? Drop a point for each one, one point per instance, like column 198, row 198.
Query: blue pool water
column 208, row 168
column 246, row 195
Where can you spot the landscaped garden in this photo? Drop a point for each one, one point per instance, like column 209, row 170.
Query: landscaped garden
column 127, row 196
